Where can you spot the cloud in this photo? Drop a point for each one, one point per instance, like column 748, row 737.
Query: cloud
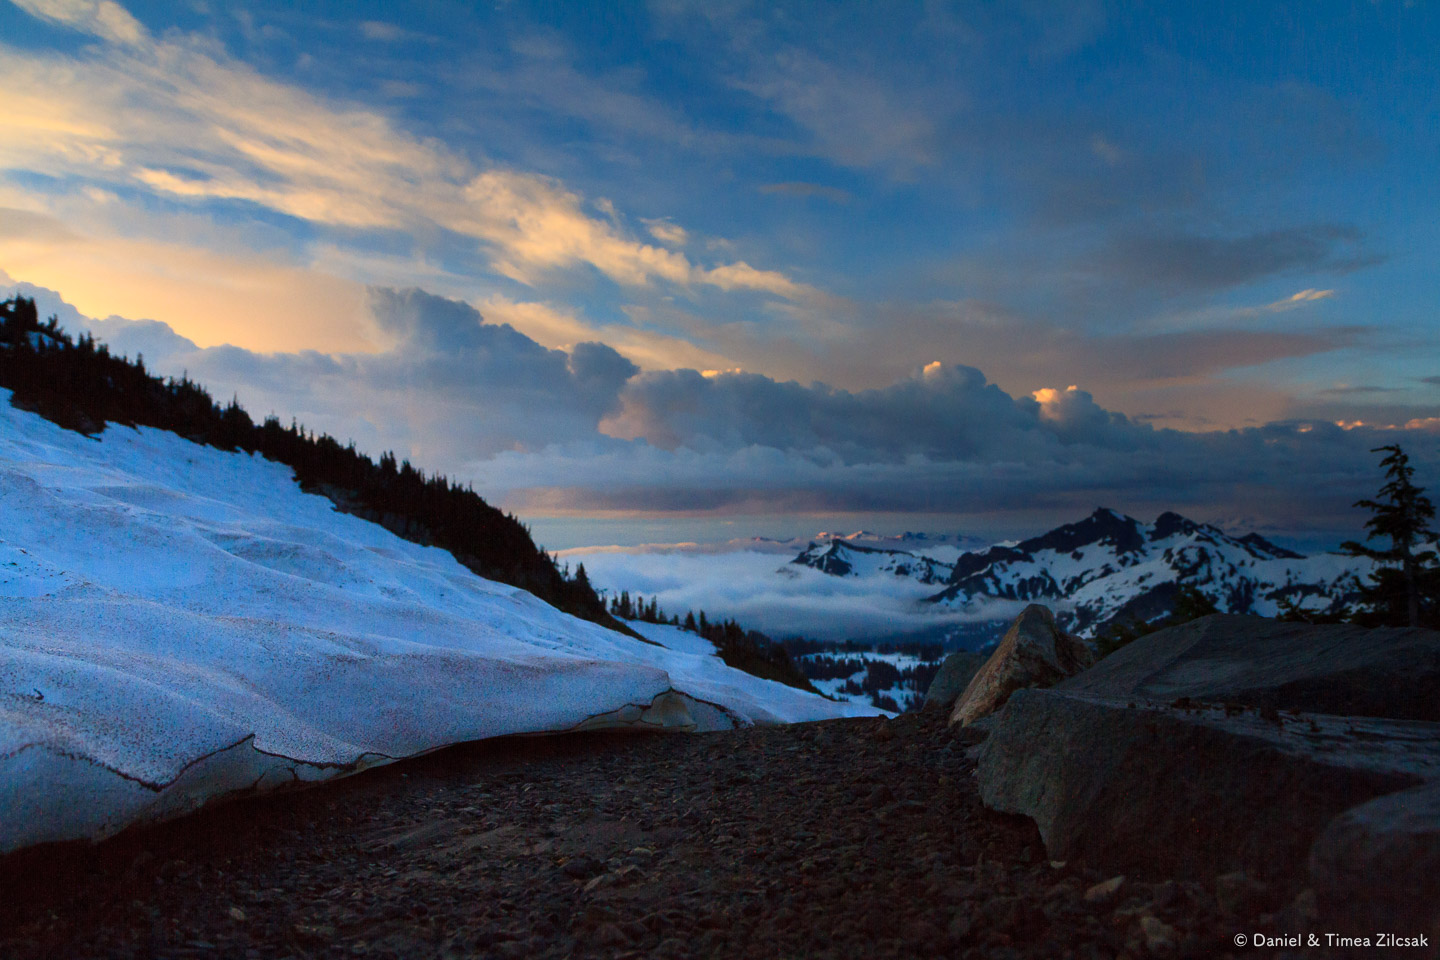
column 763, row 591
column 1248, row 472
column 382, row 31
column 667, row 232
column 535, row 224
column 837, row 106
column 942, row 442
column 1193, row 261
column 1299, row 299
column 947, row 411
column 1106, row 150
column 101, row 18
column 583, row 430
column 177, row 120
column 1358, row 390
column 800, row 188
column 559, row 328
column 849, row 116
column 447, row 387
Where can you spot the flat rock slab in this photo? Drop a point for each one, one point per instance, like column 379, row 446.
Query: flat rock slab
column 1337, row 669
column 1148, row 788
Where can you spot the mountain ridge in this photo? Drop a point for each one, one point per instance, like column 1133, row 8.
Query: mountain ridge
column 1111, row 567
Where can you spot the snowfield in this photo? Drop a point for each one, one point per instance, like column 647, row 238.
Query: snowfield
column 178, row 623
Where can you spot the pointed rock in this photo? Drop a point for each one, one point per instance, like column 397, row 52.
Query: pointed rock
column 1034, row 653
column 956, row 672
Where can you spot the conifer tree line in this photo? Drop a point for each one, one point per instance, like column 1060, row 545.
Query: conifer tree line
column 80, row 385
column 748, row 650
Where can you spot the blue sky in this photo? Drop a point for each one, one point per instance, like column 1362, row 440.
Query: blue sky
column 1216, row 222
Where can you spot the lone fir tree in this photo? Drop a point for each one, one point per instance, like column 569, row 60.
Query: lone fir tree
column 1402, row 591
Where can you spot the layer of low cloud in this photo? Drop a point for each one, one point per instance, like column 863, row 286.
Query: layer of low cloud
column 765, row 592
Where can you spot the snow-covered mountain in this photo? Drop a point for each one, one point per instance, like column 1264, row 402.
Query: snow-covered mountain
column 1110, row 565
column 847, row 558
column 179, row 622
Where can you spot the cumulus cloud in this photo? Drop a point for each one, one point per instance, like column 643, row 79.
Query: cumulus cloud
column 449, row 386
column 583, row 430
column 946, row 410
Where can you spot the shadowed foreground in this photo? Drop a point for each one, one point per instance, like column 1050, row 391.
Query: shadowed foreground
column 845, row 838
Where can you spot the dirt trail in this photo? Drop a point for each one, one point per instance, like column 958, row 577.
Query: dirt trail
column 852, row 838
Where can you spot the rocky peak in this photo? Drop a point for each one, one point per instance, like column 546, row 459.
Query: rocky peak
column 1104, row 525
column 1170, row 523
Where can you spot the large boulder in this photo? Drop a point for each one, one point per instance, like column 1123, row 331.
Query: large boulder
column 1033, row 653
column 1377, row 866
column 956, row 672
column 1145, row 787
column 1337, row 669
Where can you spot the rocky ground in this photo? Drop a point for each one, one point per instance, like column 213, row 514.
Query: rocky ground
column 851, row 838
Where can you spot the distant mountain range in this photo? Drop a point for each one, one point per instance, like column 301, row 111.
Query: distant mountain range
column 948, row 545
column 1111, row 567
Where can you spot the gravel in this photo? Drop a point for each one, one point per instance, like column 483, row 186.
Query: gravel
column 840, row 839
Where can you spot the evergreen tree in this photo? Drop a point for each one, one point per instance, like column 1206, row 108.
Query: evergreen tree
column 1403, row 590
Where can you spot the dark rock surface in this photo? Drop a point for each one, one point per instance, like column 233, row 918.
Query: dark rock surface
column 956, row 672
column 1336, row 669
column 817, row 840
column 1033, row 653
column 1377, row 866
column 1190, row 790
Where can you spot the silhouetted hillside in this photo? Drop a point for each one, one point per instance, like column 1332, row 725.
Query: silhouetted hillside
column 79, row 385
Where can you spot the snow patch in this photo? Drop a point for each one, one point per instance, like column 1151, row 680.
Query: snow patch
column 178, row 623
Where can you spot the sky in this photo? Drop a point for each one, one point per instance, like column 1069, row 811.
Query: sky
column 647, row 272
